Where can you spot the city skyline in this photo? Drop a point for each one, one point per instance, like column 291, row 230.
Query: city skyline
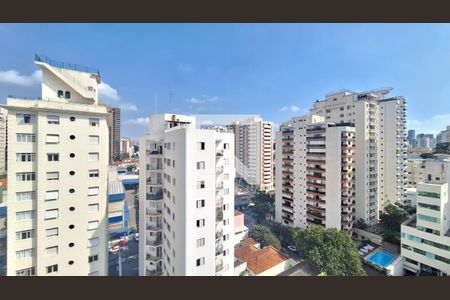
column 274, row 70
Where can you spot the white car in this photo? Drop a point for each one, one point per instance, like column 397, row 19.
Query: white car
column 292, row 248
column 136, row 236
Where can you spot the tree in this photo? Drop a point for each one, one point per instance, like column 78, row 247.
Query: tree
column 260, row 210
column 330, row 250
column 361, row 224
column 391, row 220
column 426, row 155
column 282, row 232
column 263, row 235
column 442, row 148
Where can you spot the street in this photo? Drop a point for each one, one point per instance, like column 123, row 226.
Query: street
column 129, row 261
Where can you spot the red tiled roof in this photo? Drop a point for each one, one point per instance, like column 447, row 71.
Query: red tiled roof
column 257, row 260
column 237, row 213
column 4, row 183
column 249, row 241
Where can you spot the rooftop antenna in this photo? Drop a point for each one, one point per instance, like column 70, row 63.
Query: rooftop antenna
column 156, row 107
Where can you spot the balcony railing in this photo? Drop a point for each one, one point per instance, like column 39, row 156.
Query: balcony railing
column 157, row 196
column 154, row 167
column 156, row 242
column 219, row 267
column 153, row 258
column 157, row 227
column 219, row 234
column 154, row 152
column 154, row 273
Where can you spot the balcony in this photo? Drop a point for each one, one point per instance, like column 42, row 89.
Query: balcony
column 315, row 192
column 155, row 228
column 315, row 131
column 153, row 258
column 153, row 212
column 315, row 162
column 154, row 152
column 287, row 206
column 151, row 181
column 219, row 234
column 287, row 172
column 315, row 184
column 318, row 154
column 219, row 266
column 154, row 243
column 317, row 170
column 219, row 249
column 157, row 196
column 219, row 170
column 314, row 222
column 153, row 273
column 219, row 214
column 219, row 201
column 315, row 215
column 219, row 153
column 315, row 146
column 315, row 138
column 288, row 219
column 315, row 208
column 315, row 200
column 287, row 192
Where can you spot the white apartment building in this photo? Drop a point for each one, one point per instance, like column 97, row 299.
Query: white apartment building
column 380, row 145
column 415, row 172
column 425, row 238
column 3, row 141
column 57, row 176
column 187, row 206
column 254, row 151
column 315, row 181
column 445, row 136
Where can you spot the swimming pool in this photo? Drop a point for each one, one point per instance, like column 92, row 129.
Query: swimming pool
column 381, row 258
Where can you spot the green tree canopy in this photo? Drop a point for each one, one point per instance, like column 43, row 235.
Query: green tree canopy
column 330, row 250
column 442, row 148
column 263, row 235
column 391, row 220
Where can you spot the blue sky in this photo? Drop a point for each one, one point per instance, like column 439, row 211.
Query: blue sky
column 274, row 70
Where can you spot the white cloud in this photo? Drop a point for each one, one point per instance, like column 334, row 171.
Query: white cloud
column 15, row 78
column 291, row 108
column 205, row 99
column 128, row 107
column 108, row 92
column 436, row 124
column 138, row 121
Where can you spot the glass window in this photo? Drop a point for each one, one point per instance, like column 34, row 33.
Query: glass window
column 429, row 194
column 93, row 225
column 428, row 218
column 54, row 120
column 52, row 175
column 52, row 156
column 93, row 173
column 93, row 191
column 429, row 206
column 95, row 122
column 51, row 195
column 94, row 139
column 51, row 232
column 51, row 214
column 93, row 156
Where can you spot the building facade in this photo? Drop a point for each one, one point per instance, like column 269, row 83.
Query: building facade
column 57, row 176
column 425, row 141
column 187, row 206
column 310, row 152
column 445, row 136
column 412, row 138
column 425, row 238
column 3, row 140
column 113, row 121
column 254, row 152
column 380, row 145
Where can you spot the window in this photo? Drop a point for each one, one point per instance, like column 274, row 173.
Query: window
column 52, row 139
column 26, row 272
column 226, row 222
column 51, row 214
column 226, row 252
column 428, row 218
column 226, row 176
column 173, row 163
column 94, row 140
column 51, row 232
column 93, row 242
column 92, row 225
column 54, row 120
column 24, row 157
column 25, row 138
column 226, row 206
column 226, row 146
column 52, row 175
column 429, row 194
column 24, row 215
column 93, row 156
column 200, row 242
column 51, row 195
column 95, row 122
column 93, row 258
column 429, row 206
column 52, row 156
column 200, row 261
column 52, row 269
column 93, row 207
column 200, row 165
column 21, row 254
column 93, row 191
column 226, row 237
column 201, row 145
column 200, row 203
column 226, row 192
column 226, row 161
column 23, row 235
column 173, row 181
column 201, row 223
column 93, row 173
column 26, row 176
column 201, row 184
column 60, row 94
column 67, row 95
column 51, row 250
column 25, row 119
column 23, row 196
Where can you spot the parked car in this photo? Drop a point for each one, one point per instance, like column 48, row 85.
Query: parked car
column 292, row 248
column 136, row 236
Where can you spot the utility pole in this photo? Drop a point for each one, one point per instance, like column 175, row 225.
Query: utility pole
column 120, row 261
